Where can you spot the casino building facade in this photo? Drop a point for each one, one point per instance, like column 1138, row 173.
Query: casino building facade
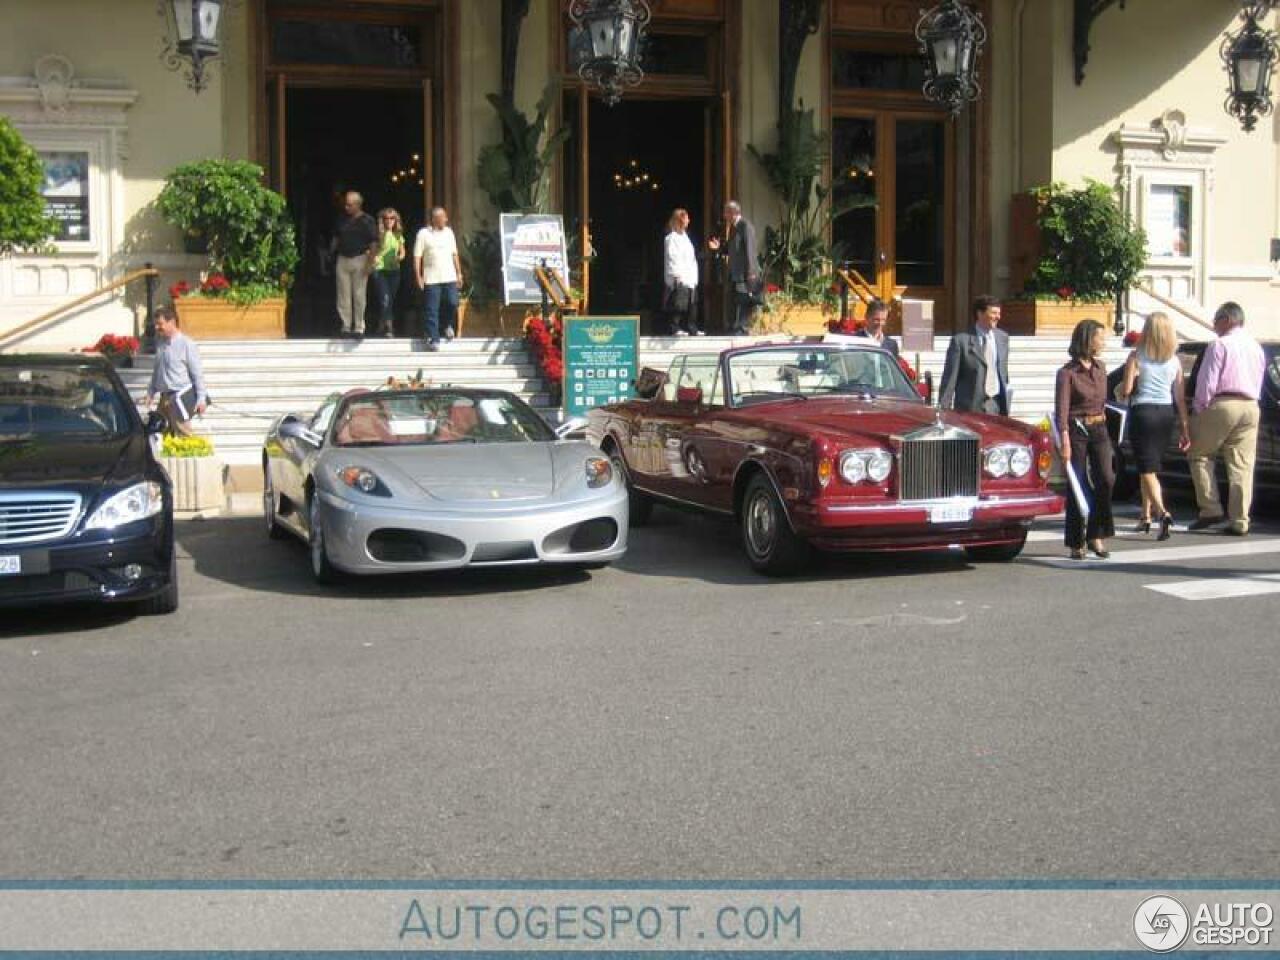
column 391, row 97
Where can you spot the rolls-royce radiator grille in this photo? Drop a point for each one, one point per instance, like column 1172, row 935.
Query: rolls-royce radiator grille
column 938, row 469
column 25, row 518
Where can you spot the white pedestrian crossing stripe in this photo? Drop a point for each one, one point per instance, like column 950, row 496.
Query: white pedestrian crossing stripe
column 1218, row 588
column 1127, row 558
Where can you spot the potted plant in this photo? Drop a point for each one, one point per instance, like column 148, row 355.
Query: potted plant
column 1082, row 253
column 797, row 260
column 119, row 350
column 252, row 249
column 195, row 472
column 545, row 342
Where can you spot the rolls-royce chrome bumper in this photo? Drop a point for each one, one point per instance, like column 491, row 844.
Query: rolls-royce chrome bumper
column 370, row 538
column 986, row 519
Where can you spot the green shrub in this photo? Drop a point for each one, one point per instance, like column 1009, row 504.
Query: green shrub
column 1089, row 250
column 247, row 226
column 24, row 222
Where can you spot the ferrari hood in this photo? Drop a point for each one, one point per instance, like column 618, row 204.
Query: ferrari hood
column 469, row 472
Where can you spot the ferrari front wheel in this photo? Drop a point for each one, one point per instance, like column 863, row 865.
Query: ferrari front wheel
column 772, row 546
column 324, row 571
column 639, row 505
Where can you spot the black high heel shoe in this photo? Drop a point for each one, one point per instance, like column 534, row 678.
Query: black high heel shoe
column 1144, row 526
column 1099, row 551
column 1166, row 527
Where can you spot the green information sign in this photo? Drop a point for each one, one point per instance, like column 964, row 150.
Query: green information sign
column 601, row 361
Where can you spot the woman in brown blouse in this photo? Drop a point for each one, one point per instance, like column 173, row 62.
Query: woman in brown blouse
column 1080, row 401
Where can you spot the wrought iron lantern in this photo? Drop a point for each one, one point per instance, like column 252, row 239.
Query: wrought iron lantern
column 1250, row 58
column 951, row 38
column 193, row 37
column 613, row 29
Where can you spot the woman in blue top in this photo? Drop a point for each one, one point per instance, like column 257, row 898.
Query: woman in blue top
column 1157, row 403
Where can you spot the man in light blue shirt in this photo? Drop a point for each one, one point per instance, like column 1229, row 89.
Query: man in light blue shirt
column 177, row 380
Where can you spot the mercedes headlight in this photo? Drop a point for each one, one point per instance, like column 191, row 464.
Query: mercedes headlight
column 859, row 466
column 130, row 505
column 599, row 472
column 364, row 480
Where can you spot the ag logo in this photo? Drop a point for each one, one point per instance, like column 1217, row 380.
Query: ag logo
column 1161, row 924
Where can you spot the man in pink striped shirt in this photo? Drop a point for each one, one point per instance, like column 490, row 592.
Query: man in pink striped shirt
column 1225, row 420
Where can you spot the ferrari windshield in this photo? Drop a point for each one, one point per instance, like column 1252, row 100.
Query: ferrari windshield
column 771, row 373
column 56, row 402
column 398, row 418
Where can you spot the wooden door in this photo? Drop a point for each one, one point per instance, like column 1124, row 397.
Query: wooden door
column 894, row 169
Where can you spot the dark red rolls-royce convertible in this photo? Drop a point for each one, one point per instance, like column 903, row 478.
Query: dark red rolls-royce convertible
column 826, row 445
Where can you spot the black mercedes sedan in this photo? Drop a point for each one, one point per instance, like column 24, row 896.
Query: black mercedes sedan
column 86, row 512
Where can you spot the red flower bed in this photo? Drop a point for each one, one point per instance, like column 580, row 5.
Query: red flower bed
column 111, row 345
column 848, row 327
column 179, row 289
column 215, row 285
column 544, row 343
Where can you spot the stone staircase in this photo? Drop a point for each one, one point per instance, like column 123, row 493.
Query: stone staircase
column 254, row 381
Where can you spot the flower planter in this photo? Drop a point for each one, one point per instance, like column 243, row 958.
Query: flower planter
column 197, row 482
column 1052, row 317
column 796, row 319
column 490, row 320
column 207, row 318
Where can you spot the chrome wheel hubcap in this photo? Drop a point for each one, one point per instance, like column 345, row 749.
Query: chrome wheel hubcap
column 760, row 525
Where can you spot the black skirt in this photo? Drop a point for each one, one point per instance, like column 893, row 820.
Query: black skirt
column 1150, row 433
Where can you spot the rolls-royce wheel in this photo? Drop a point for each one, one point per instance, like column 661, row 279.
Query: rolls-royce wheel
column 997, row 552
column 639, row 505
column 772, row 546
column 324, row 571
column 274, row 530
column 166, row 601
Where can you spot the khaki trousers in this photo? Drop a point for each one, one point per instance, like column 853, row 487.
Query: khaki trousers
column 353, row 283
column 1229, row 426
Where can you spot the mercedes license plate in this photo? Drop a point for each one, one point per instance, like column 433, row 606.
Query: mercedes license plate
column 951, row 513
column 10, row 565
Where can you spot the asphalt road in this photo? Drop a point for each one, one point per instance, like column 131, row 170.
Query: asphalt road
column 673, row 717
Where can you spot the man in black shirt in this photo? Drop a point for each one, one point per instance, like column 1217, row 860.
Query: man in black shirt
column 355, row 238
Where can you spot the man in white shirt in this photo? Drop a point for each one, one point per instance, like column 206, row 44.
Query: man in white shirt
column 680, row 276
column 438, row 271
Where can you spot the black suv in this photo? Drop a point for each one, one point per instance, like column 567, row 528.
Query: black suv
column 86, row 512
column 1267, row 471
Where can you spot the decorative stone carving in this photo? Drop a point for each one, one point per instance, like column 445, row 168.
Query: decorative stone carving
column 55, row 77
column 1173, row 124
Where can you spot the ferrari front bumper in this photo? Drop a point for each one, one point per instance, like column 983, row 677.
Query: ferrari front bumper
column 372, row 538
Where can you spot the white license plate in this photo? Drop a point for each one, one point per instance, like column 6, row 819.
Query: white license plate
column 10, row 565
column 951, row 513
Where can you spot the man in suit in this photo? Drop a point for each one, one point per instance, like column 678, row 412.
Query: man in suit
column 739, row 251
column 877, row 315
column 976, row 375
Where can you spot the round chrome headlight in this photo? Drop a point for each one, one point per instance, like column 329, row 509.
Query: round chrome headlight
column 1019, row 461
column 879, row 463
column 996, row 461
column 853, row 469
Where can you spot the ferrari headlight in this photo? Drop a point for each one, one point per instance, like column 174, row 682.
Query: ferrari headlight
column 131, row 504
column 1019, row 461
column 599, row 472
column 996, row 461
column 364, row 480
column 858, row 466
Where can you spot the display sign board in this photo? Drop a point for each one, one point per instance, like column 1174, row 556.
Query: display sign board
column 529, row 239
column 601, row 360
column 66, row 193
column 917, row 326
column 1168, row 221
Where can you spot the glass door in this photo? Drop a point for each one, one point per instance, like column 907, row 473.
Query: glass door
column 891, row 173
